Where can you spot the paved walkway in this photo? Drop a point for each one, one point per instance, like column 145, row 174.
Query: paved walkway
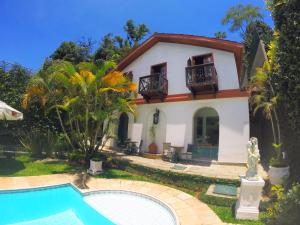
column 189, row 210
column 203, row 169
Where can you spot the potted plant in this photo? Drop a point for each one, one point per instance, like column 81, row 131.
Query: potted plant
column 96, row 162
column 264, row 97
column 278, row 167
column 152, row 147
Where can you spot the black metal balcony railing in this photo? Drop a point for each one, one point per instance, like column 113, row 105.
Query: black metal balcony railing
column 153, row 86
column 201, row 78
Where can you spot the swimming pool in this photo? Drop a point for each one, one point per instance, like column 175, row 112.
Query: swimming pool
column 57, row 205
column 65, row 205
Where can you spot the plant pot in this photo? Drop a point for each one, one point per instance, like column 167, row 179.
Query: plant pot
column 152, row 148
column 277, row 174
column 95, row 167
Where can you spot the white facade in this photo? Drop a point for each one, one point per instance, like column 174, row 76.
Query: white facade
column 233, row 112
column 176, row 56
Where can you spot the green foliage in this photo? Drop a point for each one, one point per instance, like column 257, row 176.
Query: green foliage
column 135, row 33
column 99, row 157
column 219, row 201
column 83, row 97
column 285, row 211
column 220, row 35
column 191, row 182
column 226, row 214
column 26, row 166
column 115, row 48
column 286, row 16
column 240, row 16
column 13, row 81
column 39, row 143
column 264, row 97
column 76, row 157
column 72, row 52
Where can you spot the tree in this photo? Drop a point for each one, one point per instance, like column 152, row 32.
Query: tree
column 220, row 35
column 115, row 48
column 73, row 52
column 286, row 16
column 110, row 49
column 13, row 82
column 85, row 98
column 135, row 33
column 239, row 16
column 265, row 97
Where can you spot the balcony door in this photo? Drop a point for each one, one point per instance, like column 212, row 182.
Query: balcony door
column 160, row 70
column 202, row 73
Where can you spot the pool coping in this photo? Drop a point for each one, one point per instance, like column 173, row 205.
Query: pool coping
column 186, row 209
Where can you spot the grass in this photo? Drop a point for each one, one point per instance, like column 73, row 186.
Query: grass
column 25, row 166
column 121, row 174
column 226, row 215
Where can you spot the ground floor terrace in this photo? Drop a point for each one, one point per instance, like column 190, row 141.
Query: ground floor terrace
column 207, row 129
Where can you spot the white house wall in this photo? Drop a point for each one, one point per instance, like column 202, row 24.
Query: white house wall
column 176, row 56
column 233, row 120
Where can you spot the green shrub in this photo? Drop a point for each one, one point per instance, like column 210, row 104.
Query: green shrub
column 216, row 200
column 39, row 143
column 186, row 182
column 286, row 207
column 76, row 157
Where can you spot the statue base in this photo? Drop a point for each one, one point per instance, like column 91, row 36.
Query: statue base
column 249, row 199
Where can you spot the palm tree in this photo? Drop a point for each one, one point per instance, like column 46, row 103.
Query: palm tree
column 264, row 97
column 88, row 97
column 240, row 16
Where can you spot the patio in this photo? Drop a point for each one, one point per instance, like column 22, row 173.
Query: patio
column 215, row 170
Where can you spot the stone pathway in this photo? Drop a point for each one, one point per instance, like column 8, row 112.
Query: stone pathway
column 204, row 169
column 189, row 210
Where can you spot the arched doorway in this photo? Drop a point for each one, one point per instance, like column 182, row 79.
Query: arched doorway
column 123, row 129
column 206, row 134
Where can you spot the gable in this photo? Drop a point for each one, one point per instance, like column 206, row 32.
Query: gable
column 214, row 43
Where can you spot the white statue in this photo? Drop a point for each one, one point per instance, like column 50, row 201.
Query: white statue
column 253, row 159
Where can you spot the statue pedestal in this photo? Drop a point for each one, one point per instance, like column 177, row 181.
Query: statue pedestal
column 248, row 202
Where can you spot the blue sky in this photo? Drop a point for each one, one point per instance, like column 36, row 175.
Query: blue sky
column 31, row 30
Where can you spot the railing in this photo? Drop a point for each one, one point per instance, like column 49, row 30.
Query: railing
column 201, row 77
column 154, row 85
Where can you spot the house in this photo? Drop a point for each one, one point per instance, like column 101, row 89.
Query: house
column 195, row 81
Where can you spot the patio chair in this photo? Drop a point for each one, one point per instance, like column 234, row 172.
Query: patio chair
column 167, row 152
column 134, row 146
column 187, row 156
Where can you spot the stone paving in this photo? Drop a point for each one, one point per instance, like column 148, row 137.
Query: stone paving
column 215, row 170
column 189, row 210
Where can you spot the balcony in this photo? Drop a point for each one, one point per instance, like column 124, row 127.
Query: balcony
column 202, row 79
column 154, row 86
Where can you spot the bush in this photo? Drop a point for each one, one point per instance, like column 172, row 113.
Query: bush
column 286, row 207
column 39, row 143
column 76, row 157
column 98, row 156
column 219, row 201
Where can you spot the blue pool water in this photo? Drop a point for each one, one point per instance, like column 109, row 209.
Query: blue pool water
column 60, row 205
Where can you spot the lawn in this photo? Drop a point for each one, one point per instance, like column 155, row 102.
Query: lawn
column 25, row 166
